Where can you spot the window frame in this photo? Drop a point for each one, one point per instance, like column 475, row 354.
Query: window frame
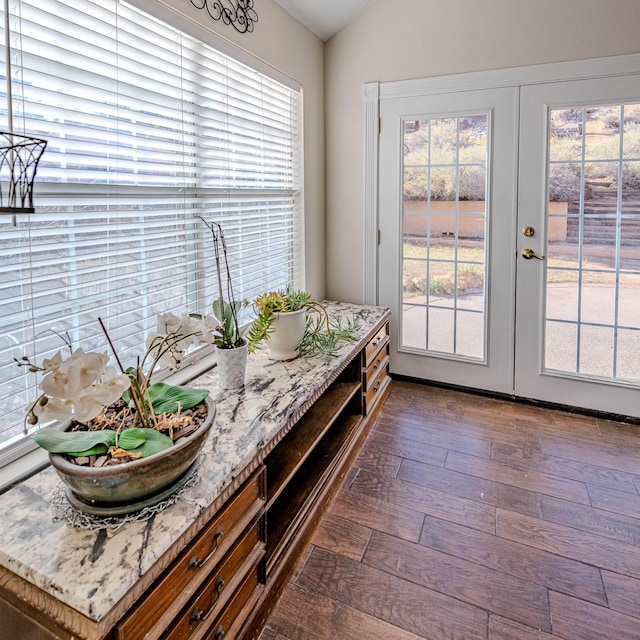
column 21, row 458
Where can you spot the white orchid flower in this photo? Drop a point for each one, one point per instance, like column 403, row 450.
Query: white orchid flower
column 208, row 328
column 188, row 328
column 183, row 332
column 58, row 409
column 86, row 406
column 62, row 384
column 169, row 357
column 90, row 366
column 112, row 385
column 53, row 363
column 71, row 376
column 165, row 321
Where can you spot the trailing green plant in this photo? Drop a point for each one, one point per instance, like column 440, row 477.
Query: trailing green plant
column 318, row 339
column 322, row 334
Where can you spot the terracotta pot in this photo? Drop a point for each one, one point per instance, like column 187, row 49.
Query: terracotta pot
column 288, row 331
column 130, row 486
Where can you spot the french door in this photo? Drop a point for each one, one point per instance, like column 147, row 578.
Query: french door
column 510, row 239
column 578, row 309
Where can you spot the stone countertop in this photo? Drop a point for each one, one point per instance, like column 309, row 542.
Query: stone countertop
column 91, row 572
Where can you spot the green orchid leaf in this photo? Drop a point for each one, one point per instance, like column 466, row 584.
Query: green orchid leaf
column 130, row 439
column 98, row 450
column 217, row 310
column 74, row 442
column 165, row 398
column 155, row 442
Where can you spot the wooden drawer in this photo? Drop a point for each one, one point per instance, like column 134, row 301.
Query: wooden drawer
column 380, row 362
column 375, row 344
column 195, row 563
column 232, row 618
column 377, row 387
column 217, row 590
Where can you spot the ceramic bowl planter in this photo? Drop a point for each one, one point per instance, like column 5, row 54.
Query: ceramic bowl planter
column 131, row 486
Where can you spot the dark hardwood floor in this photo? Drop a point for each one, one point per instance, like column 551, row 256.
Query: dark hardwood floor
column 468, row 518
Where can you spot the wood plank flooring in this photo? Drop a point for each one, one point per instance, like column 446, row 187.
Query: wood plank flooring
column 468, row 518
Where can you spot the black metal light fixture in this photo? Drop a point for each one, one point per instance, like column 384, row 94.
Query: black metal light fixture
column 240, row 14
column 19, row 154
column 19, row 157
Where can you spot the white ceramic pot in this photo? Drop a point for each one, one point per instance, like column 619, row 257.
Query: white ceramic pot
column 288, row 331
column 232, row 364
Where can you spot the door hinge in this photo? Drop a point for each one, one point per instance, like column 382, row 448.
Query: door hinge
column 378, row 236
column 379, row 125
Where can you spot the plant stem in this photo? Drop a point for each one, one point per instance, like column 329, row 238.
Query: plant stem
column 229, row 341
column 134, row 389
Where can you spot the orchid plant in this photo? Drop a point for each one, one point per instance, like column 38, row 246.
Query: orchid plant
column 83, row 385
column 225, row 326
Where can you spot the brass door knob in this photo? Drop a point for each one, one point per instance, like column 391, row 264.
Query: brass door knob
column 528, row 254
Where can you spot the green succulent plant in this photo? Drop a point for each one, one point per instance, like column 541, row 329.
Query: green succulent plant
column 322, row 333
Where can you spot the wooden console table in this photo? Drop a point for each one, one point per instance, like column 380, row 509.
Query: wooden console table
column 213, row 564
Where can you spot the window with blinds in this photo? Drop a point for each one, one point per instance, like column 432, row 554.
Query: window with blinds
column 147, row 129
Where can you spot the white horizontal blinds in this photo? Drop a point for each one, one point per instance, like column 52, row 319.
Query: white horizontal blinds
column 147, row 129
column 104, row 88
column 247, row 132
column 125, row 263
column 262, row 244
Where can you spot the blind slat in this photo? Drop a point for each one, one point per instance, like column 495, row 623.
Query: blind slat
column 147, row 129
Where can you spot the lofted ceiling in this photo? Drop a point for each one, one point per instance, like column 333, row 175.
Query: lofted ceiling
column 324, row 17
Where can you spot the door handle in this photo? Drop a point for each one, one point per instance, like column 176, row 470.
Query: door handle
column 528, row 254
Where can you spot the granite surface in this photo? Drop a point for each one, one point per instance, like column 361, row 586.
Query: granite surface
column 92, row 571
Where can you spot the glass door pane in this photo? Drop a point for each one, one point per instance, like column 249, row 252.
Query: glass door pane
column 592, row 324
column 444, row 225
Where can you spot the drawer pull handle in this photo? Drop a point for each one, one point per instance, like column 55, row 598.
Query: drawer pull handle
column 199, row 615
column 377, row 364
column 197, row 563
column 220, row 633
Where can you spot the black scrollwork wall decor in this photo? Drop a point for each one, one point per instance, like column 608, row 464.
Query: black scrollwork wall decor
column 240, row 14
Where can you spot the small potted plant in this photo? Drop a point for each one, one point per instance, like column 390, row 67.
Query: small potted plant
column 282, row 321
column 226, row 332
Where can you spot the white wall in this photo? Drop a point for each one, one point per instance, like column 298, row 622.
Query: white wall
column 288, row 46
column 404, row 39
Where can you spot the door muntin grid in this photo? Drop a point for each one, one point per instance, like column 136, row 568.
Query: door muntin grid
column 592, row 316
column 444, row 232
